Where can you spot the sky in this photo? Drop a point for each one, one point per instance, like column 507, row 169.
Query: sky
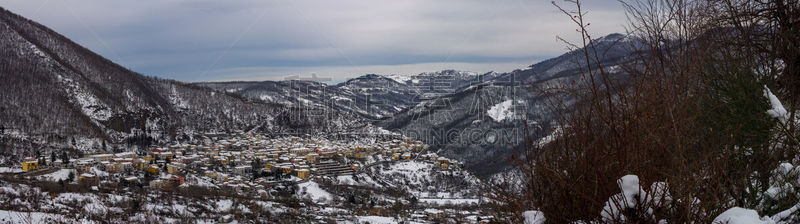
column 210, row 40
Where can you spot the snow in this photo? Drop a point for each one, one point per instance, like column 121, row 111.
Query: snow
column 266, row 98
column 557, row 132
column 399, row 78
column 500, row 111
column 313, row 191
column 95, row 207
column 737, row 215
column 37, row 51
column 450, row 201
column 384, row 131
column 777, row 111
column 90, row 105
column 659, row 193
column 202, row 181
column 410, row 166
column 61, row 174
column 346, row 180
column 340, row 98
column 627, row 198
column 98, row 172
column 92, row 204
column 175, row 99
column 9, row 190
column 30, row 217
column 533, row 217
column 376, row 220
column 10, row 170
column 786, row 213
column 224, row 205
column 629, row 184
column 433, row 211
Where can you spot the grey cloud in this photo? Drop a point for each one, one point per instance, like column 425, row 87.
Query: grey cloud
column 213, row 40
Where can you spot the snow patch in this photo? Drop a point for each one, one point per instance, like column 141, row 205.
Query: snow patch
column 61, row 174
column 31, row 217
column 89, row 104
column 399, row 78
column 10, row 170
column 501, row 111
column 737, row 215
column 224, row 205
column 533, row 217
column 777, row 111
column 376, row 220
column 312, row 190
column 177, row 100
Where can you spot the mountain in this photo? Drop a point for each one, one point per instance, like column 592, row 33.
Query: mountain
column 457, row 79
column 485, row 123
column 370, row 97
column 54, row 89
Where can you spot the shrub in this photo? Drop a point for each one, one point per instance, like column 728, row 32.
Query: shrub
column 688, row 110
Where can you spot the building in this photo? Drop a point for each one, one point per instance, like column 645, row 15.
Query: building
column 443, row 163
column 242, row 170
column 83, row 166
column 433, row 213
column 125, row 155
column 30, row 164
column 161, row 184
column 141, row 164
column 113, row 167
column 153, row 169
column 287, row 169
column 312, row 157
column 212, row 174
column 102, row 157
column 88, row 179
column 172, row 169
column 129, row 181
column 222, row 177
column 148, row 158
column 303, row 173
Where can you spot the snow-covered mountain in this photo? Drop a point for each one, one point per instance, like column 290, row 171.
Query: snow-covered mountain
column 370, row 97
column 484, row 123
column 457, row 78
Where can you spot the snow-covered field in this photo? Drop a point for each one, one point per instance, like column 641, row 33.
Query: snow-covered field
column 312, row 190
column 10, row 170
column 450, row 201
column 377, row 220
column 363, row 180
column 33, row 217
column 62, row 174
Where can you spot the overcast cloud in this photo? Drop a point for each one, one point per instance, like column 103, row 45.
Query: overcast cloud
column 197, row 40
